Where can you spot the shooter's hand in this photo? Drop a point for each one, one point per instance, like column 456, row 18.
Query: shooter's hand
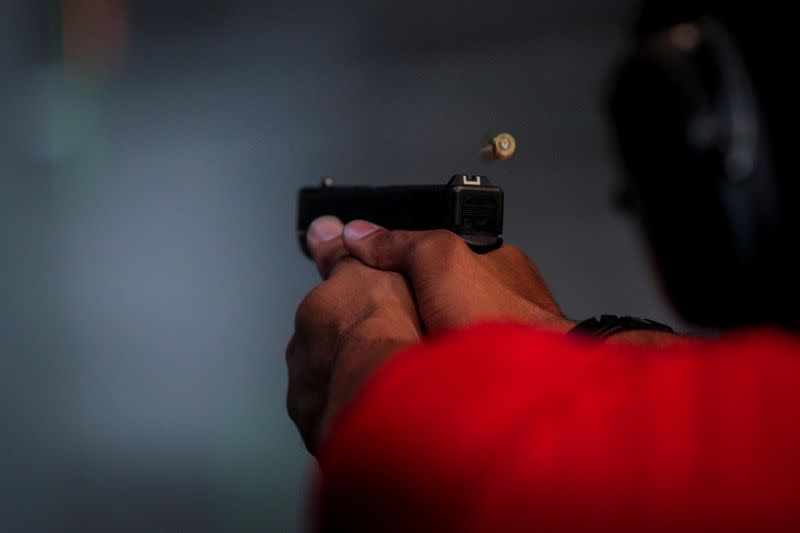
column 356, row 318
column 454, row 286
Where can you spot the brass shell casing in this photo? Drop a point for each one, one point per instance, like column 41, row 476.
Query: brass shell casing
column 502, row 146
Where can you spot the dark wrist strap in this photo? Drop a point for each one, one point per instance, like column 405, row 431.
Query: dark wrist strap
column 607, row 325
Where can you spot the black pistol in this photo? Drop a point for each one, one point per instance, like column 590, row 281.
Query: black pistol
column 469, row 206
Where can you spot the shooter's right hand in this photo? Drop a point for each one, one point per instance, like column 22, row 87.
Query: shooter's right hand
column 454, row 286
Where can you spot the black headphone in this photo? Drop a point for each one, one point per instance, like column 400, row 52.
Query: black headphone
column 699, row 174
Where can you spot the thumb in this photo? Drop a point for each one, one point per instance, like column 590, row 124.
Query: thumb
column 412, row 253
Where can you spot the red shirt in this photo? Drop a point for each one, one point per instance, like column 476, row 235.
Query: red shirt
column 503, row 428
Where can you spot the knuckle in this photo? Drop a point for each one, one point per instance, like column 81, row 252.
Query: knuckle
column 312, row 306
column 310, row 302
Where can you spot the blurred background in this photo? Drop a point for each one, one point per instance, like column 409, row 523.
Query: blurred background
column 149, row 162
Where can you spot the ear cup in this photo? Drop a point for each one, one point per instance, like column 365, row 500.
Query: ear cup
column 698, row 173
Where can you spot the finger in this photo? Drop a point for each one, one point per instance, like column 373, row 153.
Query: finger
column 407, row 252
column 324, row 239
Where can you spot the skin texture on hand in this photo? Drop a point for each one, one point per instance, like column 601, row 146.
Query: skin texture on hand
column 454, row 286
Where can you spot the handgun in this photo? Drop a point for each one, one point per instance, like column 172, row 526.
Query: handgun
column 469, row 206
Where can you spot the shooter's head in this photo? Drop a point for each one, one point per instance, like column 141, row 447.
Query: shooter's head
column 701, row 110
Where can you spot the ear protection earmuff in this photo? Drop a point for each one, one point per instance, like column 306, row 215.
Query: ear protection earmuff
column 695, row 152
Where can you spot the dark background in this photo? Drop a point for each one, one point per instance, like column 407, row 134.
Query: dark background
column 150, row 270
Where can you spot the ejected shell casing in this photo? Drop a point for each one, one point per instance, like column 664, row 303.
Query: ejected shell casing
column 501, row 146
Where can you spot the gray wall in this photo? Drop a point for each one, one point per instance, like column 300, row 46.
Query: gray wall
column 148, row 225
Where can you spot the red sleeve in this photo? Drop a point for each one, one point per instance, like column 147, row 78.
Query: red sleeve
column 502, row 428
